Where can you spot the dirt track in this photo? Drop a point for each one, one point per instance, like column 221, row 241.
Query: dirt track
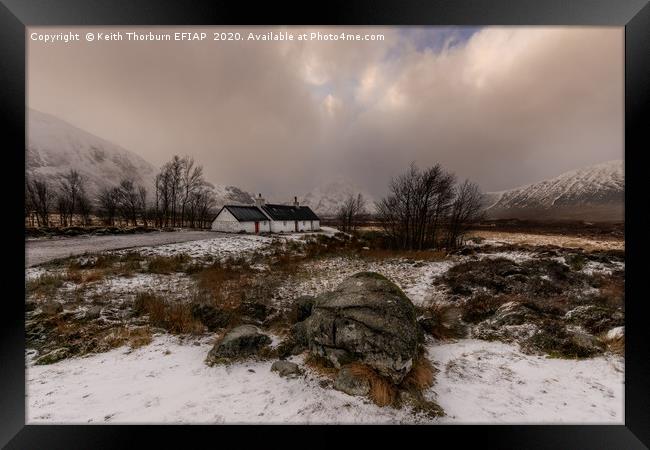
column 44, row 250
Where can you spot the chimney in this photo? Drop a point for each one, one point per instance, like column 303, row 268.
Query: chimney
column 259, row 201
column 295, row 202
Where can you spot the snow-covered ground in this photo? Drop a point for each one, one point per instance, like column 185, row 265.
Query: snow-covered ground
column 168, row 382
column 504, row 237
column 493, row 382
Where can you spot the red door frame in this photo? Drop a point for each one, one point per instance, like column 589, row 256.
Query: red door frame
column 257, row 227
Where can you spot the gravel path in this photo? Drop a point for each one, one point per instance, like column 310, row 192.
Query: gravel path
column 43, row 250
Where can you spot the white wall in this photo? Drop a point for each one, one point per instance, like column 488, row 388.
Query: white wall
column 227, row 223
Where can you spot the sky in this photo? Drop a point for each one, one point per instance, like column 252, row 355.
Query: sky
column 501, row 106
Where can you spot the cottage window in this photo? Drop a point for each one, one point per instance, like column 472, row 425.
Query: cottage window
column 284, row 222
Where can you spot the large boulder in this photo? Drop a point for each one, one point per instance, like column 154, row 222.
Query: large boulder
column 367, row 318
column 240, row 342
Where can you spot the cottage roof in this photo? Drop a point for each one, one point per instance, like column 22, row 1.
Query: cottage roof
column 245, row 213
column 289, row 212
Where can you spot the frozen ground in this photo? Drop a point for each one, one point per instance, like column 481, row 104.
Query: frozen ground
column 41, row 251
column 501, row 237
column 168, row 382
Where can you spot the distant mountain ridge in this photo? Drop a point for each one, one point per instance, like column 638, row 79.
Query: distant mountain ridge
column 55, row 146
column 591, row 193
column 325, row 200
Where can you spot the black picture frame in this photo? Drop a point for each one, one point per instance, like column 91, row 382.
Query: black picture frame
column 634, row 15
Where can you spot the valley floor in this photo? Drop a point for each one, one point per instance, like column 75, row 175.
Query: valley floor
column 167, row 380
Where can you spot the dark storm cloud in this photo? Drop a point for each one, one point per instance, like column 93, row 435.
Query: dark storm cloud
column 502, row 106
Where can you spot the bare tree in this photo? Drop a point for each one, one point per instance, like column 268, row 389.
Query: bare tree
column 70, row 190
column 128, row 203
column 411, row 213
column 421, row 203
column 107, row 200
column 39, row 199
column 466, row 210
column 350, row 211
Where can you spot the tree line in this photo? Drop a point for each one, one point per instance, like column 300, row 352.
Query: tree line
column 181, row 197
column 424, row 208
column 428, row 208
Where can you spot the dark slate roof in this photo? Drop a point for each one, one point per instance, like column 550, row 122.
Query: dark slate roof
column 289, row 212
column 246, row 213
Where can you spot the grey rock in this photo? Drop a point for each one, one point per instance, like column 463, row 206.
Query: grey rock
column 93, row 312
column 369, row 318
column 302, row 308
column 350, row 383
column 239, row 343
column 286, row 368
column 210, row 316
column 51, row 308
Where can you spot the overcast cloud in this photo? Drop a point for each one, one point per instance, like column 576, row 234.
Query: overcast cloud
column 501, row 106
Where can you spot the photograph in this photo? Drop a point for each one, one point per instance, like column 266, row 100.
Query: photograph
column 325, row 225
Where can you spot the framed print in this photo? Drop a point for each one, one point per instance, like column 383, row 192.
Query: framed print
column 370, row 214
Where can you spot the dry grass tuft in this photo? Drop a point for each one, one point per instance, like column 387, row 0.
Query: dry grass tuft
column 321, row 366
column 133, row 337
column 176, row 318
column 382, row 391
column 167, row 264
column 421, row 376
column 44, row 285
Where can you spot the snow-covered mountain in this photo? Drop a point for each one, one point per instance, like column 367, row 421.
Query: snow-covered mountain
column 591, row 193
column 325, row 200
column 55, row 146
column 231, row 195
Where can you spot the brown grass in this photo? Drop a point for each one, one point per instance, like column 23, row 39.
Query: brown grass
column 617, row 346
column 416, row 255
column 382, row 391
column 611, row 290
column 44, row 285
column 133, row 337
column 174, row 317
column 421, row 376
column 167, row 264
column 321, row 366
column 447, row 324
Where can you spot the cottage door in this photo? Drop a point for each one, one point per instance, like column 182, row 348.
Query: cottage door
column 257, row 227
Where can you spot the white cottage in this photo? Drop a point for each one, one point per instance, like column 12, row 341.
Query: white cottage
column 266, row 218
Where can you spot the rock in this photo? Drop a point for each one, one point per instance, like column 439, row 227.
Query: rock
column 369, row 318
column 286, row 368
column 255, row 312
column 302, row 307
column 615, row 334
column 240, row 342
column 51, row 308
column 346, row 381
column 52, row 357
column 93, row 312
column 210, row 316
column 338, row 357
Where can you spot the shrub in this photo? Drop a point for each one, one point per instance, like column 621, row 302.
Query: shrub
column 44, row 285
column 176, row 318
column 167, row 264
